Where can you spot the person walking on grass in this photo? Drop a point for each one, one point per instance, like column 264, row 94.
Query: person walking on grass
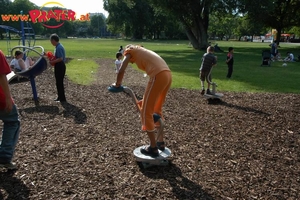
column 155, row 93
column 10, row 117
column 208, row 61
column 59, row 67
column 229, row 61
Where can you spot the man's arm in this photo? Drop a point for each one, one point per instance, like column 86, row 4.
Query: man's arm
column 57, row 60
column 60, row 55
column 5, row 88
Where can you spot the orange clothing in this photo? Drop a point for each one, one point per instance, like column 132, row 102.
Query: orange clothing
column 146, row 60
column 154, row 98
column 158, row 85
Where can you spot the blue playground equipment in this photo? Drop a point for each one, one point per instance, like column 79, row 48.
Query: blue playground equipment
column 39, row 66
column 26, row 34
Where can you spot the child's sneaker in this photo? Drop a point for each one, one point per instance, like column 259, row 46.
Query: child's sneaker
column 208, row 91
column 202, row 91
column 10, row 165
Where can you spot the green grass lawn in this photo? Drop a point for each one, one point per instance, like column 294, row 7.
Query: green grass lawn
column 184, row 62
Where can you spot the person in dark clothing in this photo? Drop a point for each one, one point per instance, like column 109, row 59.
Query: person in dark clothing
column 274, row 47
column 229, row 61
column 208, row 61
column 59, row 67
column 121, row 50
column 217, row 48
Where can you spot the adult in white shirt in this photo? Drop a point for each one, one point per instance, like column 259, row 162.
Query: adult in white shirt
column 18, row 64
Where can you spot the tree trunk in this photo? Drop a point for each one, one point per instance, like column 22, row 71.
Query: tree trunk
column 203, row 37
column 197, row 35
column 278, row 35
column 192, row 38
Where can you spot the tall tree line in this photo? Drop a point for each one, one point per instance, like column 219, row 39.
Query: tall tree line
column 199, row 18
column 196, row 20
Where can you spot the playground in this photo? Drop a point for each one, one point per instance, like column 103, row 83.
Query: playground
column 244, row 147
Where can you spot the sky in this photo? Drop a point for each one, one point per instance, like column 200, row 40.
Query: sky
column 80, row 7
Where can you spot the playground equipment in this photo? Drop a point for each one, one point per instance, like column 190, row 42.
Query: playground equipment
column 26, row 34
column 145, row 161
column 39, row 66
column 213, row 94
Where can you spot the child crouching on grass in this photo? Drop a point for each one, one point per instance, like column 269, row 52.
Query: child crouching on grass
column 208, row 61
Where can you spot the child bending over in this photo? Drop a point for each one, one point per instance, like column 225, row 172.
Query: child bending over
column 155, row 94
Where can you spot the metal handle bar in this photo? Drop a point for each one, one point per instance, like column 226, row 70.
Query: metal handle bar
column 30, row 49
column 212, row 83
column 135, row 101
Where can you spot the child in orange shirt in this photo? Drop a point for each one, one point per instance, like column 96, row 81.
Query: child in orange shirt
column 155, row 93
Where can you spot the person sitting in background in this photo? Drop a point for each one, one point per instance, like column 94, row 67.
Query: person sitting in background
column 217, row 48
column 121, row 50
column 18, row 64
column 290, row 57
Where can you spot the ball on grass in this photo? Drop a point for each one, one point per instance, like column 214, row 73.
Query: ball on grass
column 284, row 65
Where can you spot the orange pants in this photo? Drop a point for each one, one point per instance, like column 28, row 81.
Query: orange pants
column 154, row 98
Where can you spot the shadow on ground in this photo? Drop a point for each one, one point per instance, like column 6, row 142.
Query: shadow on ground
column 182, row 187
column 12, row 187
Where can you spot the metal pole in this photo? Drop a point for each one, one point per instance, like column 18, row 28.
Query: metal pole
column 23, row 35
column 34, row 92
column 22, row 30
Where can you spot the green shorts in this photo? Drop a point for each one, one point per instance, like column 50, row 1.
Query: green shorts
column 204, row 74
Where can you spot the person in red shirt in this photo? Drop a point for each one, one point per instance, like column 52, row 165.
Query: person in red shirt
column 10, row 117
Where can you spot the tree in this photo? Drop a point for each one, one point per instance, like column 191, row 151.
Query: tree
column 131, row 17
column 194, row 16
column 4, row 5
column 246, row 27
column 97, row 22
column 223, row 26
column 117, row 20
column 278, row 14
column 295, row 30
column 23, row 5
column 3, row 10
